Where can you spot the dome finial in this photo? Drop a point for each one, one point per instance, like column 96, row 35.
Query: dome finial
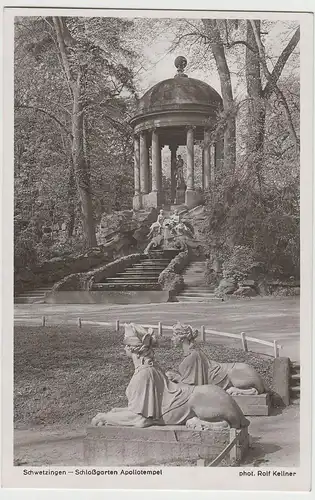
column 180, row 63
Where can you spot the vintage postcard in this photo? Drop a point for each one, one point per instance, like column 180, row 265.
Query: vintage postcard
column 157, row 184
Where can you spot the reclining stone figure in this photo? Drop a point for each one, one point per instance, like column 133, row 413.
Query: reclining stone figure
column 155, row 400
column 198, row 369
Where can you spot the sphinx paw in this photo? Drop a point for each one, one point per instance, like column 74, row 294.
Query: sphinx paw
column 235, row 391
column 99, row 420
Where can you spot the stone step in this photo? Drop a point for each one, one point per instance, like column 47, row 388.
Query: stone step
column 140, row 269
column 295, row 390
column 295, row 376
column 144, row 272
column 295, row 367
column 34, row 292
column 188, row 298
column 28, row 300
column 155, row 261
column 196, row 294
column 137, row 279
column 152, row 263
column 125, row 286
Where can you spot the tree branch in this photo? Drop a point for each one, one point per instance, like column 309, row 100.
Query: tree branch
column 272, row 82
column 240, row 42
column 41, row 110
column 287, row 51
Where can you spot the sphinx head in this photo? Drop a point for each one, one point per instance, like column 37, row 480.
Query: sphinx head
column 184, row 336
column 139, row 341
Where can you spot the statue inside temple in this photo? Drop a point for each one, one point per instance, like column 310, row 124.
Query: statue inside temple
column 179, row 172
column 198, row 369
column 153, row 399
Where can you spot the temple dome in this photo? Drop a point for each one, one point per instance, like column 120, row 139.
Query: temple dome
column 180, row 92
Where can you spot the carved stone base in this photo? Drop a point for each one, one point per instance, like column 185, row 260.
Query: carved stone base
column 137, row 202
column 192, row 198
column 118, row 446
column 153, row 199
column 254, row 405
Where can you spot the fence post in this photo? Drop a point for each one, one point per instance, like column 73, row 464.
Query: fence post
column 233, row 452
column 276, row 349
column 244, row 342
column 79, row 322
column 43, row 321
column 160, row 329
column 117, row 325
column 202, row 333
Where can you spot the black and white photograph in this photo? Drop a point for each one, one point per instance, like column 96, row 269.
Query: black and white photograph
column 157, row 282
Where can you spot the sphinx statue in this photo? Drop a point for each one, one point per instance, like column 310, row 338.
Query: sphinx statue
column 197, row 369
column 153, row 399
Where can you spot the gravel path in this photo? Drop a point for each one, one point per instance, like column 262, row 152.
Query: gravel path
column 275, row 442
column 265, row 318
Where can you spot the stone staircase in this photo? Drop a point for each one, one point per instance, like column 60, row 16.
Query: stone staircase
column 140, row 276
column 33, row 296
column 294, row 383
column 196, row 289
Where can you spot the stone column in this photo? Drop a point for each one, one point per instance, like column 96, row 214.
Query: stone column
column 190, row 159
column 144, row 164
column 192, row 198
column 173, row 149
column 137, row 195
column 156, row 162
column 202, row 169
column 207, row 162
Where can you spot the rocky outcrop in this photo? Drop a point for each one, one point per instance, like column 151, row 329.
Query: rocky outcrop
column 128, row 223
column 227, row 286
column 245, row 291
column 118, row 234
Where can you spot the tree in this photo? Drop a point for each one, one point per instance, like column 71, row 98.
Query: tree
column 213, row 34
column 96, row 69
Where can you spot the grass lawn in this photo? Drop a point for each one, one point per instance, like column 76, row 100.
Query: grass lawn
column 64, row 375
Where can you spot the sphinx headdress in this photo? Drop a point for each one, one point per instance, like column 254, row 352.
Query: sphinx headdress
column 181, row 332
column 137, row 336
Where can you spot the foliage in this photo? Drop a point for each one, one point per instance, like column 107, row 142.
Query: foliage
column 239, row 263
column 170, row 278
column 46, row 182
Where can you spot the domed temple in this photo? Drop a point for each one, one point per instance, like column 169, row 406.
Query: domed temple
column 179, row 111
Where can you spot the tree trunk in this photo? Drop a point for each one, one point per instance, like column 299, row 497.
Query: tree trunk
column 71, row 201
column 73, row 76
column 81, row 173
column 217, row 47
column 256, row 106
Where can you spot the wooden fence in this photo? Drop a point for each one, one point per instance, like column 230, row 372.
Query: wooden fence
column 242, row 337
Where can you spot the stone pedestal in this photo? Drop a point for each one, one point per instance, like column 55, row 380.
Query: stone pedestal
column 192, row 198
column 152, row 200
column 180, row 196
column 123, row 446
column 136, row 202
column 254, row 405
